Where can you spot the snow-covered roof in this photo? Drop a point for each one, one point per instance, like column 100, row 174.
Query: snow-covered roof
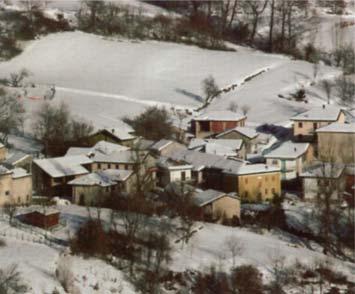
column 127, row 156
column 4, row 170
column 255, row 169
column 121, row 133
column 19, row 173
column 289, row 150
column 324, row 170
column 201, row 160
column 169, row 163
column 103, row 147
column 222, row 115
column 337, row 128
column 104, row 178
column 245, row 131
column 15, row 157
column 64, row 166
column 161, row 144
column 323, row 113
column 225, row 147
column 205, row 197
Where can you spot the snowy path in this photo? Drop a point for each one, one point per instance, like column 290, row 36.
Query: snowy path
column 123, row 98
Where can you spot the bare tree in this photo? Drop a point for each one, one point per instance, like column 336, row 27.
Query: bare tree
column 233, row 106
column 16, row 78
column 235, row 247
column 32, row 7
column 327, row 87
column 11, row 114
column 11, row 281
column 10, row 210
column 210, row 88
column 245, row 109
column 256, row 9
column 271, row 29
column 345, row 89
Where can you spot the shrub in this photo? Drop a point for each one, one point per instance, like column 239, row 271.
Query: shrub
column 247, row 279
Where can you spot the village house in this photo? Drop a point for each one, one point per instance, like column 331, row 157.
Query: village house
column 216, row 122
column 222, row 147
column 101, row 147
column 291, row 158
column 321, row 175
column 15, row 186
column 249, row 136
column 51, row 175
column 19, row 159
column 99, row 186
column 336, row 143
column 216, row 205
column 306, row 123
column 254, row 182
column 170, row 171
column 122, row 136
column 164, row 147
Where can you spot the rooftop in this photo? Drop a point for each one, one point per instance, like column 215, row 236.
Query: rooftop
column 13, row 158
column 245, row 131
column 102, row 147
column 64, row 166
column 161, row 144
column 19, row 173
column 324, row 170
column 337, row 128
column 323, row 113
column 224, row 147
column 289, row 150
column 254, row 169
column 104, row 178
column 120, row 133
column 223, row 115
column 205, row 197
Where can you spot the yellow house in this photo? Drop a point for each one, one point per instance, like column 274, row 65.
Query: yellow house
column 336, row 143
column 306, row 124
column 15, row 186
column 254, row 182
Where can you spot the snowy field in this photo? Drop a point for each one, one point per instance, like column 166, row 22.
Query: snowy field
column 103, row 80
column 38, row 261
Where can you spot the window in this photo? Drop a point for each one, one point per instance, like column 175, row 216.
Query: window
column 183, row 176
column 266, row 191
column 246, row 181
column 300, row 125
column 274, row 162
column 117, row 166
column 314, row 125
column 246, row 194
column 109, row 165
column 126, row 167
column 7, row 193
column 99, row 165
column 273, row 190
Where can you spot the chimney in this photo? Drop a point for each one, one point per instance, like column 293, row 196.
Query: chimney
column 323, row 106
column 295, row 149
column 113, row 131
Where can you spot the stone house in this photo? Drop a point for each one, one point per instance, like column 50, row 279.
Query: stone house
column 173, row 171
column 99, row 186
column 15, row 186
column 216, row 204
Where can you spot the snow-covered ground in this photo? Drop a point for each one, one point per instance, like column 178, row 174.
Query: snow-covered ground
column 105, row 79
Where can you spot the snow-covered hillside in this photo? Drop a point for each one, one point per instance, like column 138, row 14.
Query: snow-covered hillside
column 103, row 79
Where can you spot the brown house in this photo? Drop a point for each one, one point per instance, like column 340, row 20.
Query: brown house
column 216, row 204
column 306, row 124
column 216, row 122
column 42, row 218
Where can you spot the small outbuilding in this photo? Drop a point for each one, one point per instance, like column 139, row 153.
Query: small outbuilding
column 43, row 218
